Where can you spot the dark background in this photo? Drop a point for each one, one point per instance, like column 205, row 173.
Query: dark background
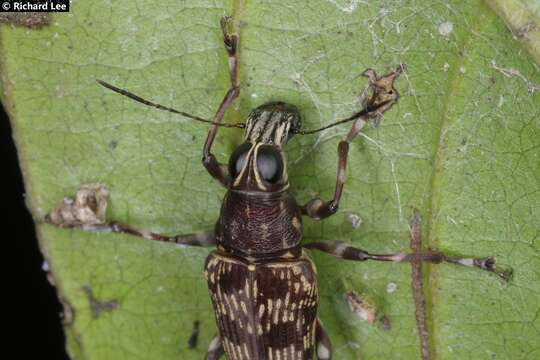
column 33, row 311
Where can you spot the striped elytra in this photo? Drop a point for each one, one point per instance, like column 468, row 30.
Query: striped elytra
column 264, row 310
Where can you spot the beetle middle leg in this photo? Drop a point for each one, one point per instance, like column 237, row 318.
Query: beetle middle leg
column 217, row 170
column 323, row 344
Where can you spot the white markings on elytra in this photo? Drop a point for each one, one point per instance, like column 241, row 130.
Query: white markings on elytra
column 214, row 344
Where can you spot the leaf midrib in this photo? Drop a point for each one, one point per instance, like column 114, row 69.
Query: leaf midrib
column 440, row 154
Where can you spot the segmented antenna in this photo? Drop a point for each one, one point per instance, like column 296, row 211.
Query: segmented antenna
column 165, row 108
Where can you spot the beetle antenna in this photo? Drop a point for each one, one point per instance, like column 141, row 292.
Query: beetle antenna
column 165, row 108
column 355, row 116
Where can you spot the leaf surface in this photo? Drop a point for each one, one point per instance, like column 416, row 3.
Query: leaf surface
column 462, row 146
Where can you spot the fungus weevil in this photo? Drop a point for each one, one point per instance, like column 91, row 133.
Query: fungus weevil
column 262, row 283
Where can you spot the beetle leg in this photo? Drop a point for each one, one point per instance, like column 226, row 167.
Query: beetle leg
column 198, row 239
column 217, row 170
column 384, row 96
column 324, row 346
column 215, row 349
column 87, row 210
column 319, row 209
column 345, row 251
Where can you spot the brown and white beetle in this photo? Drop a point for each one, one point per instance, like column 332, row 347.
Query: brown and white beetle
column 262, row 283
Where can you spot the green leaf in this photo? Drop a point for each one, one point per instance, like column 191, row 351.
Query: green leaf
column 462, row 146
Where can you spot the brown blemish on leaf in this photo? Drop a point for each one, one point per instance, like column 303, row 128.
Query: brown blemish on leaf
column 97, row 306
column 88, row 208
column 194, row 338
column 32, row 20
column 365, row 310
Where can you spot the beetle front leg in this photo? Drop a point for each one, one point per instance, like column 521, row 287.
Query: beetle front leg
column 87, row 210
column 215, row 349
column 383, row 96
column 345, row 251
column 197, row 239
column 317, row 208
column 217, row 170
column 323, row 344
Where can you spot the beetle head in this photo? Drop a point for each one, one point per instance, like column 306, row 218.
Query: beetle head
column 273, row 123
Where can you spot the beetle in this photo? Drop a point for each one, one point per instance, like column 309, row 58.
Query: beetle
column 262, row 282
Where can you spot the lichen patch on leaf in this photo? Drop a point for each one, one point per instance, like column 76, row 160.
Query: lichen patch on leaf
column 88, row 207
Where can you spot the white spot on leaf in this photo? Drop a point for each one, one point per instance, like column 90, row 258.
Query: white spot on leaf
column 391, row 287
column 355, row 220
column 346, row 6
column 446, row 28
column 446, row 66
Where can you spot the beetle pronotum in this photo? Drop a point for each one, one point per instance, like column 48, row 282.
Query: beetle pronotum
column 262, row 283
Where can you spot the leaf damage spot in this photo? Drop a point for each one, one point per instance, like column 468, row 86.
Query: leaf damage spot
column 354, row 219
column 446, row 28
column 97, row 307
column 68, row 311
column 32, row 20
column 113, row 144
column 446, row 67
column 194, row 338
column 391, row 287
column 366, row 311
column 510, row 72
column 87, row 208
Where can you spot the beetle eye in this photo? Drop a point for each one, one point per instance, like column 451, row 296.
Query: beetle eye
column 269, row 163
column 238, row 157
